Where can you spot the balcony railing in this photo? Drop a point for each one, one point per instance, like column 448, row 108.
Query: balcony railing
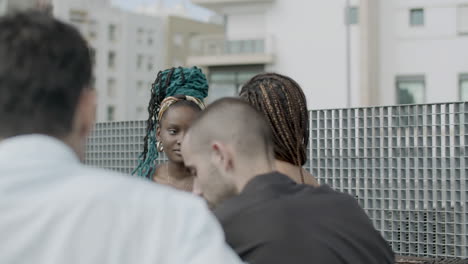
column 219, row 3
column 215, row 50
column 215, row 45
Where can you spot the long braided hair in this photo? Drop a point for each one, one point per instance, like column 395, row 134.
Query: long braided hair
column 178, row 83
column 284, row 104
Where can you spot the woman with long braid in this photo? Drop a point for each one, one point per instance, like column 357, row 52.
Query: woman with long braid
column 176, row 99
column 283, row 102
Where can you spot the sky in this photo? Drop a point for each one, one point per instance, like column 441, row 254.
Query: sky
column 192, row 10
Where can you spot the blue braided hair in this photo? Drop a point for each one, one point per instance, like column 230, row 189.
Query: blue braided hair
column 170, row 82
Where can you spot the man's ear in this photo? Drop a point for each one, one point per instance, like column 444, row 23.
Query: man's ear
column 83, row 121
column 221, row 156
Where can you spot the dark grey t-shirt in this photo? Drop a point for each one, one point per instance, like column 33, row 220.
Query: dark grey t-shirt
column 275, row 220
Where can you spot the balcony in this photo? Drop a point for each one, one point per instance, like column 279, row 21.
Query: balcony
column 218, row 4
column 215, row 50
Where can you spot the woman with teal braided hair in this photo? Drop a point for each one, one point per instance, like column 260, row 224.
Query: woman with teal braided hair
column 176, row 99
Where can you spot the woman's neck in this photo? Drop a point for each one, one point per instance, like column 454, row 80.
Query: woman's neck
column 174, row 175
column 177, row 171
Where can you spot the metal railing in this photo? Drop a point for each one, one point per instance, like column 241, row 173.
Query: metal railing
column 216, row 45
column 406, row 165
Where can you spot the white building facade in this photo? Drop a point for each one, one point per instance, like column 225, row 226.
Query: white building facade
column 127, row 50
column 423, row 51
column 344, row 53
column 3, row 6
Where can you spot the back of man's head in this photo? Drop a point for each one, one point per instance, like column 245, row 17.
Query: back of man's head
column 45, row 66
column 227, row 146
column 233, row 121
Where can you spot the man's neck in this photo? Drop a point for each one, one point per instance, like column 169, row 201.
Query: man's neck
column 250, row 172
column 76, row 144
column 296, row 173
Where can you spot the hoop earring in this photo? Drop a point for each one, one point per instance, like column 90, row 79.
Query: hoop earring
column 159, row 146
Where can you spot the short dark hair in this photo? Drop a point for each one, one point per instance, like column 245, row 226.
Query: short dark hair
column 284, row 104
column 233, row 120
column 45, row 65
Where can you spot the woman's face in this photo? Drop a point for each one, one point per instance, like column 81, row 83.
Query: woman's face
column 174, row 124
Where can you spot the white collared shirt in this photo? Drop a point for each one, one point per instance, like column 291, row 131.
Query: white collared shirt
column 53, row 210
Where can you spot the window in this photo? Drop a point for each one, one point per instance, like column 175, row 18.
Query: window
column 150, row 38
column 227, row 83
column 245, row 46
column 92, row 30
column 259, row 46
column 223, row 77
column 150, row 63
column 92, row 54
column 110, row 113
column 463, row 19
column 78, row 16
column 234, row 46
column 220, row 90
column 139, row 35
column 410, row 89
column 243, row 77
column 112, row 32
column 111, row 60
column 140, row 110
column 464, row 87
column 111, row 90
column 139, row 87
column 352, row 15
column 92, row 35
column 417, row 17
column 139, row 61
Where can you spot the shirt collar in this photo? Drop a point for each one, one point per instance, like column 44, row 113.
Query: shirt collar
column 264, row 181
column 36, row 147
column 261, row 188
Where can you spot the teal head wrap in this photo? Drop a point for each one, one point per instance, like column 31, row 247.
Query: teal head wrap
column 170, row 82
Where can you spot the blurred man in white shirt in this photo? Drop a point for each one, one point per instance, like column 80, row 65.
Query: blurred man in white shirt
column 53, row 209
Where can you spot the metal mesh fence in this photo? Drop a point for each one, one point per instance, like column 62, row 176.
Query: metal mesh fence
column 117, row 146
column 406, row 165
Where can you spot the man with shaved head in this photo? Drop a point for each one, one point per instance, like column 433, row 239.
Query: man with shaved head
column 267, row 217
column 223, row 130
